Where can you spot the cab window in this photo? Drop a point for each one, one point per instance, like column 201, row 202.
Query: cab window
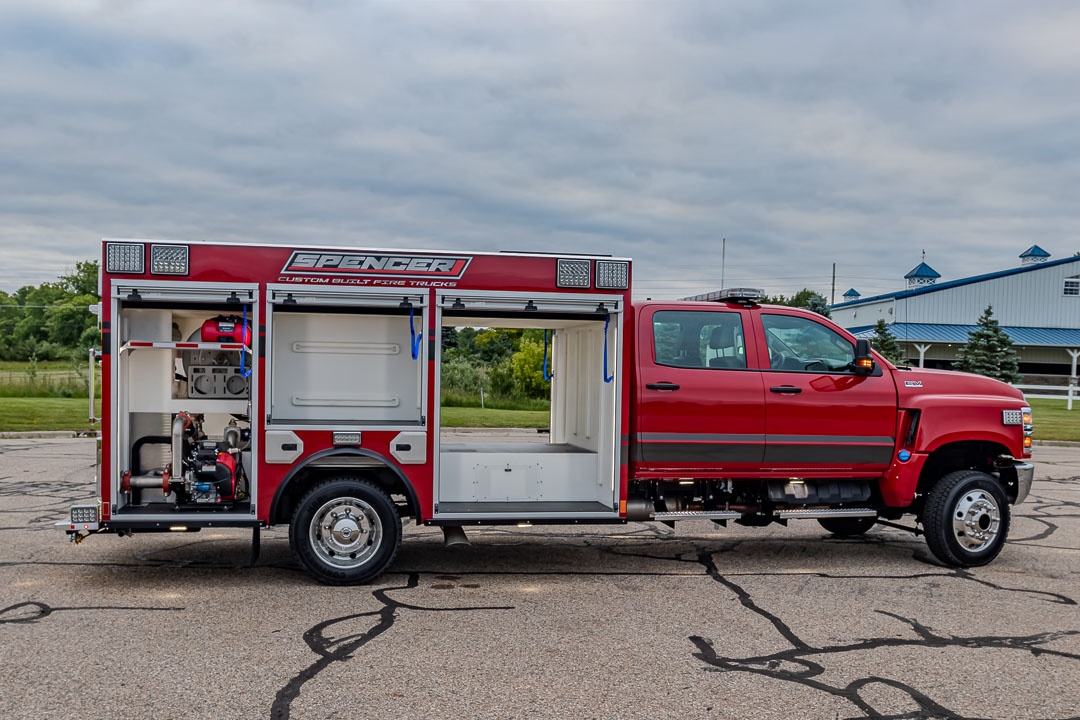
column 699, row 339
column 800, row 344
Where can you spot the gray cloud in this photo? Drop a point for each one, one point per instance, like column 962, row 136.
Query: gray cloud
column 806, row 134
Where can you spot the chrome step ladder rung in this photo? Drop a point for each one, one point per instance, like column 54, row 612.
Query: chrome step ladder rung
column 703, row 514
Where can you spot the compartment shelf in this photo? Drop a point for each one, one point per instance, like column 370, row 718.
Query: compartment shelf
column 153, row 344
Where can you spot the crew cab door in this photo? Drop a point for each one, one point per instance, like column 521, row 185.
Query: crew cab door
column 819, row 415
column 700, row 404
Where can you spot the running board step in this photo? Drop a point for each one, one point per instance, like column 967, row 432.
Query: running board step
column 803, row 513
column 813, row 513
column 690, row 514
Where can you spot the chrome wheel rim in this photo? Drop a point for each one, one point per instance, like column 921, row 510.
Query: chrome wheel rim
column 976, row 520
column 345, row 532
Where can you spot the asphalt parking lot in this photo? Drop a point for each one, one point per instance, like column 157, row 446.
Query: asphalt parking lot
column 637, row 621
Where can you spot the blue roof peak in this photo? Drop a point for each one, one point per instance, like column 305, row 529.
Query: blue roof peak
column 852, row 293
column 923, row 271
column 1034, row 252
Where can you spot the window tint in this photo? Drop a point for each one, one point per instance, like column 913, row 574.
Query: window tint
column 699, row 339
column 797, row 343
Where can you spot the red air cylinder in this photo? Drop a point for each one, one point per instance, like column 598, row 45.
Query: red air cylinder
column 224, row 329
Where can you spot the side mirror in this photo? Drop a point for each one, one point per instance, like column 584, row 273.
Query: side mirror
column 864, row 360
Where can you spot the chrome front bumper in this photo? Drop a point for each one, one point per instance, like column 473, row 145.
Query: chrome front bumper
column 1025, row 474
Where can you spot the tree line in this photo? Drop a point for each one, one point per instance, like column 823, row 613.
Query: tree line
column 51, row 321
column 505, row 364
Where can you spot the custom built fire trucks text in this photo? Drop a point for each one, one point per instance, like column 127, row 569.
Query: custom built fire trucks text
column 251, row 385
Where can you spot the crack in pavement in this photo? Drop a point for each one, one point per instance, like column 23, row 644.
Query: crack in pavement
column 803, row 655
column 33, row 611
column 332, row 650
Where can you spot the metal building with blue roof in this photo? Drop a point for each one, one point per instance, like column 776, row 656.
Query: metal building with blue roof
column 1037, row 304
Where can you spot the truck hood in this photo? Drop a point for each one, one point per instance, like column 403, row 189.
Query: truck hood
column 914, row 383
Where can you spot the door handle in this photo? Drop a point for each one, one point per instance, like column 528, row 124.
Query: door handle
column 662, row 386
column 785, row 389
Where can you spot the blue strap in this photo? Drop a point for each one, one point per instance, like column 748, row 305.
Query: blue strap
column 607, row 378
column 244, row 372
column 547, row 376
column 415, row 337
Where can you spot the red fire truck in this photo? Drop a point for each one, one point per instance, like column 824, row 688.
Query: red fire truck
column 248, row 386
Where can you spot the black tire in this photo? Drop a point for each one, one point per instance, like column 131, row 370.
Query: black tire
column 847, row 526
column 345, row 531
column 966, row 519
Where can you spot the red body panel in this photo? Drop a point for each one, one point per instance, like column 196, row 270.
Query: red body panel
column 699, row 419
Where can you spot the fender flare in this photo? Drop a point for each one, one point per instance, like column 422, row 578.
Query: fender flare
column 275, row 504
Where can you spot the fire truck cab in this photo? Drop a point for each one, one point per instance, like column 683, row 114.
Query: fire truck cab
column 254, row 385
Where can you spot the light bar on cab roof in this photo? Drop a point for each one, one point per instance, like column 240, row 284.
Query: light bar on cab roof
column 612, row 274
column 168, row 260
column 124, row 258
column 742, row 294
column 573, row 274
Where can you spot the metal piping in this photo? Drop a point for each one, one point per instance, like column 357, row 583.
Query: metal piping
column 179, row 424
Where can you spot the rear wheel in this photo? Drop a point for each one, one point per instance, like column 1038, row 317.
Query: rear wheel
column 847, row 526
column 345, row 531
column 966, row 519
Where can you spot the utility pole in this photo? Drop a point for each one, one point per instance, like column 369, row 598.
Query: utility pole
column 723, row 261
column 832, row 300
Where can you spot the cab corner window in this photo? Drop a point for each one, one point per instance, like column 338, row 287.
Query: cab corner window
column 802, row 345
column 699, row 339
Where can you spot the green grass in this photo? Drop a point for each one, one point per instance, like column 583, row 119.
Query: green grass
column 499, row 402
column 455, row 417
column 22, row 366
column 19, row 414
column 47, row 379
column 1054, row 422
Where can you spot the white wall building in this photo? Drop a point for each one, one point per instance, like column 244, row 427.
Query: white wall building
column 1037, row 304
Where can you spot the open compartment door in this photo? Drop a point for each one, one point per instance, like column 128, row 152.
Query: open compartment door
column 346, row 358
column 575, row 474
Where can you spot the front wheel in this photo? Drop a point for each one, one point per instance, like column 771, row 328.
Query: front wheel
column 345, row 531
column 966, row 519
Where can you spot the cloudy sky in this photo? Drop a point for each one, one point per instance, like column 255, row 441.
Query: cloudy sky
column 805, row 133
